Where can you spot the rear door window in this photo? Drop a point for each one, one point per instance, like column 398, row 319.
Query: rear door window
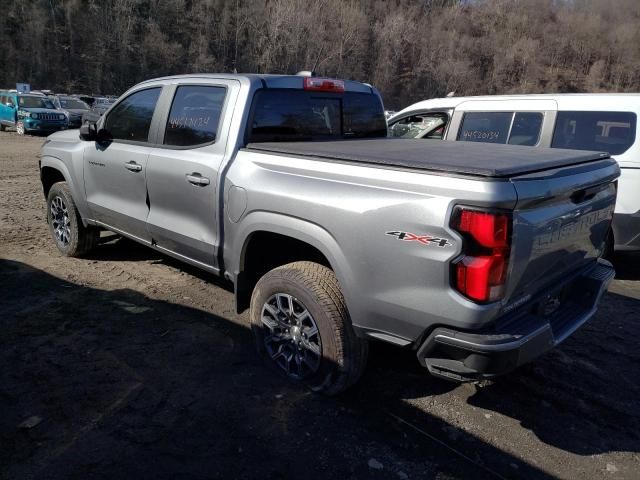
column 194, row 116
column 612, row 132
column 514, row 128
column 485, row 127
column 425, row 125
column 525, row 129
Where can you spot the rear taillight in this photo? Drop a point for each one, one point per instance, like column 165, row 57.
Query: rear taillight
column 323, row 84
column 481, row 272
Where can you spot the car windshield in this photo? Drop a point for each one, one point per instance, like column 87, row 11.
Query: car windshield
column 73, row 103
column 419, row 126
column 26, row 101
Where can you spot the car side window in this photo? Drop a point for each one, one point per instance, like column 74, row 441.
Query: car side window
column 612, row 132
column 425, row 125
column 131, row 118
column 486, row 127
column 525, row 129
column 194, row 116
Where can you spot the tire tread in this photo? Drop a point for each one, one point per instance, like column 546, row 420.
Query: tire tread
column 87, row 237
column 352, row 351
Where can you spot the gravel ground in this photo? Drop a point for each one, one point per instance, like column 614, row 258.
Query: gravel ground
column 128, row 364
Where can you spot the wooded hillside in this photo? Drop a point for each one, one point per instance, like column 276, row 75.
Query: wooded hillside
column 409, row 49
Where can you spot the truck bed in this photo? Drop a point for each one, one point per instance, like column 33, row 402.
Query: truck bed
column 466, row 158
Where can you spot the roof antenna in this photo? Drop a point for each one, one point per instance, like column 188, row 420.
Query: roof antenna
column 313, row 70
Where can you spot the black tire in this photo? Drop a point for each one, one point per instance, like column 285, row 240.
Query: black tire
column 76, row 240
column 343, row 355
column 2, row 128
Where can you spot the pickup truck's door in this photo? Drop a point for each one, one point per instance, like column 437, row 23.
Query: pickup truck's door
column 115, row 170
column 183, row 171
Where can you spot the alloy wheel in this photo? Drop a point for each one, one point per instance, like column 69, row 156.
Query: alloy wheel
column 293, row 339
column 60, row 221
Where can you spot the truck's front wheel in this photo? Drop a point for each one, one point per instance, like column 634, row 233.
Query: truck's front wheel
column 72, row 238
column 302, row 327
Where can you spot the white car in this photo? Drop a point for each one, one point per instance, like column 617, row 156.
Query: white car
column 603, row 122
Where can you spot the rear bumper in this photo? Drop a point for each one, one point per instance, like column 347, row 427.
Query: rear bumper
column 518, row 337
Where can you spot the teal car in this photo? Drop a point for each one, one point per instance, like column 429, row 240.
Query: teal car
column 30, row 113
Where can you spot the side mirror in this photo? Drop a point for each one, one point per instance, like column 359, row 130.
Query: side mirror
column 104, row 136
column 88, row 131
column 10, row 105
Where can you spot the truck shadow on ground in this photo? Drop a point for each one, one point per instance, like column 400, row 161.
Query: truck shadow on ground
column 583, row 396
column 627, row 265
column 114, row 384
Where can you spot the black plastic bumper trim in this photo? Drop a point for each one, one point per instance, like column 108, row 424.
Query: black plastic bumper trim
column 524, row 335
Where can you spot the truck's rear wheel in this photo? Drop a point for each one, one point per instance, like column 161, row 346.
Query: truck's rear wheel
column 302, row 327
column 72, row 238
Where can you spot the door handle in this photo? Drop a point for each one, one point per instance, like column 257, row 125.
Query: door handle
column 196, row 179
column 133, row 166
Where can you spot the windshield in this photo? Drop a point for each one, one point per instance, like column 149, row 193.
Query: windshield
column 419, row 126
column 295, row 115
column 35, row 102
column 73, row 103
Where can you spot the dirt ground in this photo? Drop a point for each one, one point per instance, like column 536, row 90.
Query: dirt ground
column 128, row 364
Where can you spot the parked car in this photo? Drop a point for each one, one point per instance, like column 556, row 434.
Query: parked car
column 99, row 106
column 606, row 122
column 478, row 257
column 30, row 113
column 73, row 107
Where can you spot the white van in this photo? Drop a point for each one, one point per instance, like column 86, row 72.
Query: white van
column 602, row 122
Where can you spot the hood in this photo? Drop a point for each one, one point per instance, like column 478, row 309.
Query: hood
column 41, row 110
column 65, row 136
column 76, row 111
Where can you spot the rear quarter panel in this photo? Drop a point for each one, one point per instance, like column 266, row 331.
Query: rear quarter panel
column 392, row 286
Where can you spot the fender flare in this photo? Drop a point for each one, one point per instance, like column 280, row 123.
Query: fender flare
column 296, row 228
column 77, row 191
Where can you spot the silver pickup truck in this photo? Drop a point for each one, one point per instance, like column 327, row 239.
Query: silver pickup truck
column 477, row 257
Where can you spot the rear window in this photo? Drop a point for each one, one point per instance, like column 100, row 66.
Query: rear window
column 612, row 132
column 515, row 128
column 296, row 115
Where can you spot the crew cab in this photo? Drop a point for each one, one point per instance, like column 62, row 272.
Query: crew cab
column 477, row 257
column 581, row 121
column 30, row 113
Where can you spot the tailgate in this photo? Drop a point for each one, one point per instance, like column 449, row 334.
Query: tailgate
column 560, row 223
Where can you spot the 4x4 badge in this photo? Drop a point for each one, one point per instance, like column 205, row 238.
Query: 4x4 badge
column 423, row 239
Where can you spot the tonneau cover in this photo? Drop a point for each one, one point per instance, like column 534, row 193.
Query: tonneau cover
column 468, row 158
